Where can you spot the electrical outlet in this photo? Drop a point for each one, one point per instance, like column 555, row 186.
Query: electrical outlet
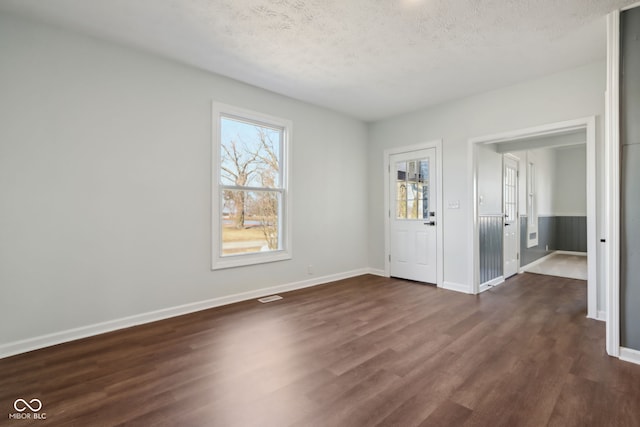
column 309, row 269
column 546, row 248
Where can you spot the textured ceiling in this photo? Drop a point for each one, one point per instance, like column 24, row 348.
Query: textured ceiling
column 368, row 58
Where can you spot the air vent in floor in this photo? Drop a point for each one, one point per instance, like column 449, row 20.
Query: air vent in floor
column 270, row 298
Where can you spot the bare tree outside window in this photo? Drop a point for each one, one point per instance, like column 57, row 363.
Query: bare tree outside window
column 250, row 177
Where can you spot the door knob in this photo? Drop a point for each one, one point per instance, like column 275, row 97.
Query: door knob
column 430, row 223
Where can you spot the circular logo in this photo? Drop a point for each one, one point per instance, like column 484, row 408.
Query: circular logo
column 21, row 405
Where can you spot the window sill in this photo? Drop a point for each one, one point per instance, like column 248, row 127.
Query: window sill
column 232, row 261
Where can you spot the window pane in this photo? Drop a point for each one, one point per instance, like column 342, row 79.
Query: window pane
column 424, row 189
column 401, row 202
column 401, row 190
column 412, row 201
column 412, row 189
column 424, row 170
column 424, row 201
column 250, row 154
column 412, row 173
column 250, row 221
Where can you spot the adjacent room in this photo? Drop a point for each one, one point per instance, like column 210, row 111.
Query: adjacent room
column 562, row 226
column 303, row 213
column 532, row 206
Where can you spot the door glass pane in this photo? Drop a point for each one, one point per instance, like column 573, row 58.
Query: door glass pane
column 510, row 189
column 424, row 179
column 412, row 174
column 401, row 190
column 412, row 200
column 412, row 189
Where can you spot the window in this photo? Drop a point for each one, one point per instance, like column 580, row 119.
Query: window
column 250, row 188
column 412, row 189
column 510, row 192
column 532, row 209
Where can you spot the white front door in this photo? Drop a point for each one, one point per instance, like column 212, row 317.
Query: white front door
column 413, row 245
column 510, row 200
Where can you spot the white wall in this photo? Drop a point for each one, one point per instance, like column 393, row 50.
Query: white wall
column 561, row 180
column 105, row 163
column 522, row 181
column 545, row 180
column 544, row 161
column 570, row 196
column 489, row 180
column 563, row 96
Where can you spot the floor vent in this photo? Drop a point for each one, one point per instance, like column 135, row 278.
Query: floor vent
column 270, row 298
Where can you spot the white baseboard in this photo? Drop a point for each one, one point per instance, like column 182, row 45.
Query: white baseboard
column 570, row 253
column 458, row 287
column 600, row 316
column 523, row 269
column 630, row 355
column 491, row 283
column 376, row 272
column 23, row 346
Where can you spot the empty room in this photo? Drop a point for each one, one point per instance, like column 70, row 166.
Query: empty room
column 319, row 213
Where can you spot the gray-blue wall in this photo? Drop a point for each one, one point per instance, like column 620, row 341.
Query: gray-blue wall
column 546, row 237
column 558, row 233
column 630, row 191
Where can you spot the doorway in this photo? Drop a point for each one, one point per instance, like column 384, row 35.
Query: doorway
column 413, row 213
column 558, row 134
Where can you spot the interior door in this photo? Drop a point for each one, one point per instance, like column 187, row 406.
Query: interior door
column 510, row 200
column 413, row 219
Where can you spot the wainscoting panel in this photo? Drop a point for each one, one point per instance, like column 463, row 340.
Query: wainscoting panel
column 490, row 246
column 571, row 233
column 546, row 238
column 555, row 233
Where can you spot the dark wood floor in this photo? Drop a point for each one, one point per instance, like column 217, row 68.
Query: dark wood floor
column 367, row 351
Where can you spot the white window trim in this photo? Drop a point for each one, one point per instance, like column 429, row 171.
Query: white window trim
column 217, row 260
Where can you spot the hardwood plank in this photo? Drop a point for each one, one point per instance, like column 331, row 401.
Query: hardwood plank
column 366, row 351
column 447, row 414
